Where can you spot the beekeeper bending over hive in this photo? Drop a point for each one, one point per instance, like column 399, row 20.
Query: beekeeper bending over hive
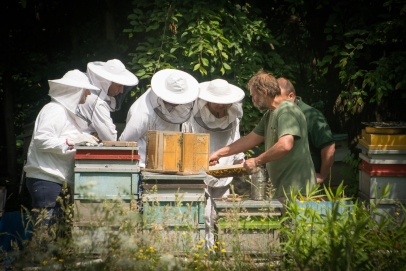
column 164, row 107
column 115, row 81
column 50, row 159
column 217, row 112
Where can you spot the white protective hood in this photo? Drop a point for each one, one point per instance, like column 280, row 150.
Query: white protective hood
column 102, row 74
column 207, row 120
column 67, row 96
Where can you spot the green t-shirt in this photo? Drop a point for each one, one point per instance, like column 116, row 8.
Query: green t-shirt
column 319, row 132
column 296, row 168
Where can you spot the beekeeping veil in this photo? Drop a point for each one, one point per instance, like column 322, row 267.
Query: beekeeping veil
column 218, row 91
column 102, row 74
column 69, row 90
column 173, row 95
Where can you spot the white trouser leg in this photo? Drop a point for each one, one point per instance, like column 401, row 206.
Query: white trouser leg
column 210, row 213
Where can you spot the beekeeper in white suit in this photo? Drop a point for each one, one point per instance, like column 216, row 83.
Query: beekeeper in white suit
column 50, row 158
column 217, row 112
column 166, row 105
column 115, row 81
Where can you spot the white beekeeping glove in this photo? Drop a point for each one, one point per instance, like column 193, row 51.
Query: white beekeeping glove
column 82, row 138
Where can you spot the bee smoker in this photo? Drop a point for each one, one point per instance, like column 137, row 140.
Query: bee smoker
column 258, row 184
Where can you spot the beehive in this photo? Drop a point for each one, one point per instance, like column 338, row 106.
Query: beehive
column 383, row 141
column 103, row 174
column 175, row 152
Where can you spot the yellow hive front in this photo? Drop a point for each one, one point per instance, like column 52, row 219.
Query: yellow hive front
column 176, row 152
column 163, row 151
column 380, row 139
column 195, row 153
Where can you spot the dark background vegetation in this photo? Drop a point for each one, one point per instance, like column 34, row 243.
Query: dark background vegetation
column 346, row 58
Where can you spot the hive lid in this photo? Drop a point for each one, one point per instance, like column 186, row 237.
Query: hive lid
column 387, row 124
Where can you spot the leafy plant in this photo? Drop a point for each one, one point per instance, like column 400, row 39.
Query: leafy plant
column 209, row 40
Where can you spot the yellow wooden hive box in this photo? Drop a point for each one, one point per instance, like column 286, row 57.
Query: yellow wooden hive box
column 382, row 141
column 176, row 152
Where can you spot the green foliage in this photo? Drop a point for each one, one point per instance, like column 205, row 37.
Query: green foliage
column 367, row 47
column 320, row 231
column 351, row 175
column 210, row 40
column 326, row 232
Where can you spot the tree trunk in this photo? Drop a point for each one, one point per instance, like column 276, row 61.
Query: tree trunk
column 8, row 101
column 109, row 22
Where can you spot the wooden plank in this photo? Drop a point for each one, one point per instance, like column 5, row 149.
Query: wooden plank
column 387, row 159
column 383, row 169
column 172, row 172
column 249, row 204
column 120, row 143
column 387, row 131
column 106, row 157
column 166, row 186
column 251, row 213
column 106, row 152
column 379, row 139
column 369, row 146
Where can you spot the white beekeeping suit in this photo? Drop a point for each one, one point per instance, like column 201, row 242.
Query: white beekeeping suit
column 50, row 155
column 164, row 107
column 217, row 112
column 115, row 81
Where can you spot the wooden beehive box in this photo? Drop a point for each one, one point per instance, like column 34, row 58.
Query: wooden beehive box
column 176, row 152
column 383, row 141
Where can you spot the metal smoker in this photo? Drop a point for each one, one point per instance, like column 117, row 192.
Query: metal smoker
column 258, row 184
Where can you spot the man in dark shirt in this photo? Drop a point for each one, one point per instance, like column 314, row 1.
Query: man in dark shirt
column 321, row 141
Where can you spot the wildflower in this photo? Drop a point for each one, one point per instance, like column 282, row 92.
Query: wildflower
column 147, row 250
column 215, row 246
column 135, row 258
column 223, row 243
column 205, row 255
column 218, row 243
column 271, row 265
column 141, row 250
column 61, row 260
column 262, row 220
column 318, row 200
column 210, row 250
column 301, row 201
column 223, row 250
column 302, row 209
column 199, row 246
column 54, row 258
column 202, row 240
column 309, row 225
column 45, row 262
column 151, row 248
column 197, row 261
column 397, row 213
column 183, row 233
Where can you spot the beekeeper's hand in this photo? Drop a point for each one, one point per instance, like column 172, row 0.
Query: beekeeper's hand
column 82, row 138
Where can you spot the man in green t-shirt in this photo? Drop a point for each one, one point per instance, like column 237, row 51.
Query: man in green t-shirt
column 321, row 140
column 283, row 129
